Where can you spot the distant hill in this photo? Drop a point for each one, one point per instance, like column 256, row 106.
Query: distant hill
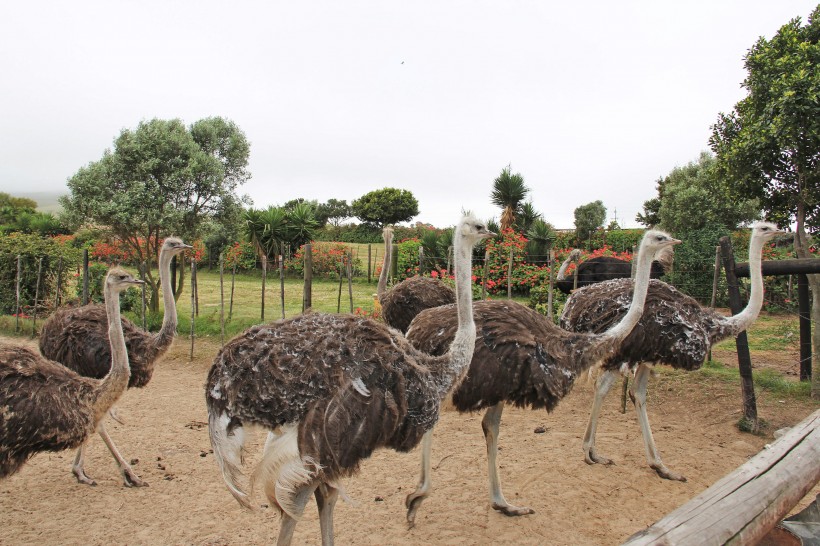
column 46, row 200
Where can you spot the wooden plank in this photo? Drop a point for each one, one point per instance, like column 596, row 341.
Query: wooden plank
column 743, row 506
column 781, row 267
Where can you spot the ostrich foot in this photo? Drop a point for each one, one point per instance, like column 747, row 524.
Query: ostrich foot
column 591, row 457
column 130, row 478
column 510, row 510
column 413, row 502
column 667, row 474
column 81, row 476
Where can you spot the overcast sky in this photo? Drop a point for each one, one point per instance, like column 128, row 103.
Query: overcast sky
column 592, row 100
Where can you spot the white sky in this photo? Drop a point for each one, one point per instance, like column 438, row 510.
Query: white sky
column 592, row 100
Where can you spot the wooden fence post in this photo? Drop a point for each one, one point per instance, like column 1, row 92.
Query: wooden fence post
column 350, row 279
column 715, row 279
column 369, row 261
column 17, row 290
column 264, row 278
column 193, row 307
column 744, row 359
column 144, row 303
column 486, row 272
column 509, row 275
column 307, row 296
column 85, row 276
column 341, row 279
column 222, row 298
column 282, row 282
column 58, row 299
column 37, row 295
column 233, row 285
column 804, row 312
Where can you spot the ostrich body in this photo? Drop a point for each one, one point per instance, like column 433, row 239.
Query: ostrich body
column 45, row 406
column 78, row 339
column 520, row 357
column 411, row 296
column 604, row 268
column 330, row 389
column 674, row 330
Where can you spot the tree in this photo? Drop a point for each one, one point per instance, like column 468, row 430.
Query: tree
column 698, row 187
column 508, row 192
column 588, row 218
column 385, row 206
column 12, row 207
column 769, row 146
column 332, row 212
column 161, row 179
column 274, row 228
column 527, row 216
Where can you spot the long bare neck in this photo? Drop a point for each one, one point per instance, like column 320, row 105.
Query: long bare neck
column 744, row 319
column 115, row 382
column 388, row 257
column 163, row 338
column 562, row 271
column 642, row 274
column 461, row 350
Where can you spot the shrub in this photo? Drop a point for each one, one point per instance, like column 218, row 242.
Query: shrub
column 326, row 259
column 240, row 255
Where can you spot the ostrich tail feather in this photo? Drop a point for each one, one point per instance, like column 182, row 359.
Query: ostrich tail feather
column 227, row 448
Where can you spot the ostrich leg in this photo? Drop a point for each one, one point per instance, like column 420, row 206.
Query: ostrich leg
column 414, row 499
column 77, row 467
column 602, row 386
column 490, row 424
column 300, row 498
column 326, row 496
column 652, row 455
column 129, row 477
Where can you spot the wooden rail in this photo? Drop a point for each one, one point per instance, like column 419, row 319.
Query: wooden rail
column 746, row 504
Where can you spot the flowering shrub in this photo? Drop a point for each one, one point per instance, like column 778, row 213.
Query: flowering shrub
column 326, row 259
column 240, row 255
column 113, row 252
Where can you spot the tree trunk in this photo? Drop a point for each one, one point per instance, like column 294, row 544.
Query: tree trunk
column 801, row 248
column 180, row 279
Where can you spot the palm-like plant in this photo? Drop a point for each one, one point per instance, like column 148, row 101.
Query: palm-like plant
column 527, row 216
column 541, row 235
column 509, row 191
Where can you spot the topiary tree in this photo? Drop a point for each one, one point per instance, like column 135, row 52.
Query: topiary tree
column 385, row 206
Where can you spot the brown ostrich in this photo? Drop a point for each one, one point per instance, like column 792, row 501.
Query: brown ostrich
column 604, row 268
column 44, row 406
column 331, row 388
column 674, row 330
column 78, row 339
column 411, row 296
column 520, row 357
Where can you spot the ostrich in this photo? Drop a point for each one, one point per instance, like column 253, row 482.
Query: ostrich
column 520, row 357
column 77, row 339
column 604, row 268
column 411, row 296
column 45, row 406
column 331, row 388
column 674, row 330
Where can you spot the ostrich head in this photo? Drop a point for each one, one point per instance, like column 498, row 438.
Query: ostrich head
column 766, row 231
column 473, row 230
column 120, row 280
column 655, row 243
column 174, row 245
column 575, row 255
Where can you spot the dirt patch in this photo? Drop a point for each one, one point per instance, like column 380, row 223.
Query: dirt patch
column 165, row 431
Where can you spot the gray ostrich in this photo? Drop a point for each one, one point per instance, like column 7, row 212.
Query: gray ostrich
column 674, row 330
column 604, row 268
column 44, row 406
column 520, row 357
column 332, row 388
column 78, row 339
column 411, row 296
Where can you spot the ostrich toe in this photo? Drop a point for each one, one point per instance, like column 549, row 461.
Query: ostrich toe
column 667, row 474
column 592, row 457
column 413, row 502
column 81, row 476
column 510, row 510
column 130, row 478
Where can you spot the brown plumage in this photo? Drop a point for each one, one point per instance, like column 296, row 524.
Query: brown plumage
column 44, row 406
column 78, row 339
column 522, row 358
column 673, row 330
column 331, row 389
column 404, row 301
column 604, row 268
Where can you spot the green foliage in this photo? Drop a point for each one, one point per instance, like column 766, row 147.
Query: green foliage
column 509, row 190
column 327, row 260
column 588, row 218
column 407, row 258
column 768, row 147
column 240, row 254
column 350, row 233
column 624, row 240
column 332, row 212
column 273, row 230
column 31, row 248
column 385, row 206
column 694, row 269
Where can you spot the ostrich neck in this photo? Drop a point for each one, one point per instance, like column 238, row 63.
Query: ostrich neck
column 562, row 271
column 116, row 381
column 166, row 334
column 642, row 274
column 744, row 319
column 460, row 354
column 388, row 250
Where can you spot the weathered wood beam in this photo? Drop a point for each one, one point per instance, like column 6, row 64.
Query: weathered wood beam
column 781, row 267
column 746, row 504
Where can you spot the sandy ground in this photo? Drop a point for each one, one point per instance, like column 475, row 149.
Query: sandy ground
column 187, row 502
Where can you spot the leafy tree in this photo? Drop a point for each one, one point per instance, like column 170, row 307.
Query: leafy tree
column 161, row 179
column 508, row 192
column 333, row 212
column 693, row 196
column 12, row 207
column 769, row 146
column 385, row 206
column 651, row 208
column 588, row 218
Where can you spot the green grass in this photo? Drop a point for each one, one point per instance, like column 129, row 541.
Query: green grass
column 764, row 378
